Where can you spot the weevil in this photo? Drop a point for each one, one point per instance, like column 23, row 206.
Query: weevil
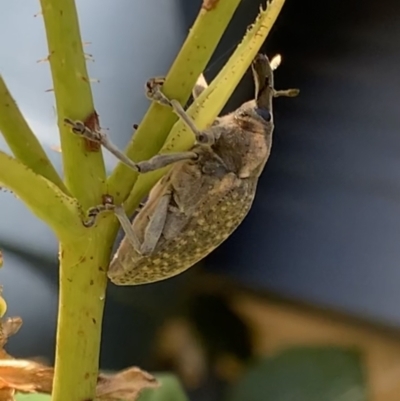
column 208, row 190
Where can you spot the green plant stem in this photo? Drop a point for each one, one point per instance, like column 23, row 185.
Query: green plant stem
column 197, row 50
column 42, row 197
column 83, row 281
column 84, row 169
column 210, row 103
column 21, row 139
column 83, row 259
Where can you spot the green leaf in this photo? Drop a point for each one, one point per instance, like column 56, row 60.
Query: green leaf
column 305, row 374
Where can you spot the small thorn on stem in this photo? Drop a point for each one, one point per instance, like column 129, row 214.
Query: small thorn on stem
column 43, row 60
column 56, row 148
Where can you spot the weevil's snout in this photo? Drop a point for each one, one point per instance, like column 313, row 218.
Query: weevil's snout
column 263, row 74
column 264, row 85
column 260, row 109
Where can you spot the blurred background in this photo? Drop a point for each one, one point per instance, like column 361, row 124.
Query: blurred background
column 303, row 299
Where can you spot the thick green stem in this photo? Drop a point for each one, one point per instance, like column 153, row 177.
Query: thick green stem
column 84, row 169
column 197, row 50
column 21, row 139
column 83, row 281
column 42, row 197
column 83, row 259
column 210, row 103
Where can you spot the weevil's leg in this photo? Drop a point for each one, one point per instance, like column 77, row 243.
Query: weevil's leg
column 199, row 87
column 153, row 92
column 165, row 159
column 120, row 215
column 127, row 227
column 80, row 129
column 153, row 230
column 156, row 225
column 122, row 218
column 94, row 211
column 152, row 164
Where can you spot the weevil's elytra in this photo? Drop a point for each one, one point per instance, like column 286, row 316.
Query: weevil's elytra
column 207, row 192
column 201, row 235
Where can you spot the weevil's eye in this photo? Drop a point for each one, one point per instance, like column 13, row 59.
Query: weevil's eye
column 264, row 113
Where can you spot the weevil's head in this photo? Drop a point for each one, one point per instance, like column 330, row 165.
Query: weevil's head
column 260, row 108
column 252, row 118
column 259, row 111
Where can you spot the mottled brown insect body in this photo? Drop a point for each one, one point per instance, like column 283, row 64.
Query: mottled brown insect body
column 200, row 202
column 207, row 192
column 210, row 223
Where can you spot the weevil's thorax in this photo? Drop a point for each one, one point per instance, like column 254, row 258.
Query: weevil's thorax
column 245, row 139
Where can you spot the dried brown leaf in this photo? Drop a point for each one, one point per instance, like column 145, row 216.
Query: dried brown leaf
column 124, row 385
column 8, row 327
column 25, row 376
column 28, row 376
column 7, row 395
column 209, row 4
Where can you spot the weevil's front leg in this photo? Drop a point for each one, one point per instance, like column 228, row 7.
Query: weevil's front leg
column 93, row 212
column 152, row 164
column 153, row 92
column 79, row 128
column 165, row 159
